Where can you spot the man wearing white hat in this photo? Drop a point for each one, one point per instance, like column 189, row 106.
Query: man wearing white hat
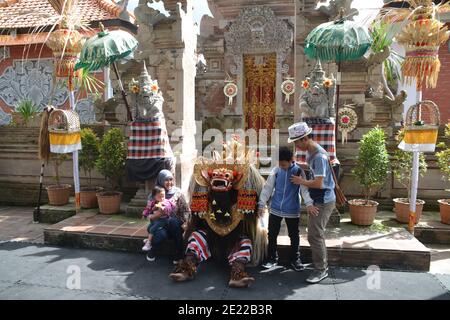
column 321, row 190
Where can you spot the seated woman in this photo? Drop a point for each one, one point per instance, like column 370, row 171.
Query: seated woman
column 174, row 227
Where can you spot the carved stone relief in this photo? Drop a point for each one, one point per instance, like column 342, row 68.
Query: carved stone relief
column 31, row 79
column 85, row 109
column 257, row 31
column 5, row 118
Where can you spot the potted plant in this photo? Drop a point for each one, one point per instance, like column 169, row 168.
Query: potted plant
column 26, row 112
column 111, row 163
column 58, row 194
column 87, row 158
column 371, row 171
column 401, row 169
column 443, row 157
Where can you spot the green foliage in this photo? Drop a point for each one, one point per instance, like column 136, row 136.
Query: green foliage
column 89, row 152
column 373, row 161
column 27, row 110
column 88, row 84
column 58, row 159
column 443, row 156
column 383, row 35
column 113, row 153
column 402, row 164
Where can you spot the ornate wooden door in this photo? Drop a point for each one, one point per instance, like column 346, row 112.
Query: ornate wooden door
column 260, row 91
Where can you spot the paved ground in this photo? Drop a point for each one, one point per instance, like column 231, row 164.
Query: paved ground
column 16, row 224
column 32, row 270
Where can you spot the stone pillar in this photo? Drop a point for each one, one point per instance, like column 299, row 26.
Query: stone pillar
column 184, row 106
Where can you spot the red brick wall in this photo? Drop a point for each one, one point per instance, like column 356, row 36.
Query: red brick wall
column 441, row 94
column 31, row 52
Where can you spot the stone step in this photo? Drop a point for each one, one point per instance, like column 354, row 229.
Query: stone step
column 386, row 244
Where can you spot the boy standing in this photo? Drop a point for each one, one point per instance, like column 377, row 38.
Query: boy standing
column 321, row 188
column 285, row 203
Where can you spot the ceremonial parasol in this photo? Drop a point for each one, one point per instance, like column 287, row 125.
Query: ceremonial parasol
column 104, row 49
column 339, row 40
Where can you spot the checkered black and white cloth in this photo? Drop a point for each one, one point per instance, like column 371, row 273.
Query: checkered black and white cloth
column 149, row 140
column 324, row 133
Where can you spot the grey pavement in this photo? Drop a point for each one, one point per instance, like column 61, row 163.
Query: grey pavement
column 36, row 271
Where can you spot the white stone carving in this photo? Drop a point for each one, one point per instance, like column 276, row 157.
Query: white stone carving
column 5, row 118
column 258, row 31
column 85, row 109
column 31, row 79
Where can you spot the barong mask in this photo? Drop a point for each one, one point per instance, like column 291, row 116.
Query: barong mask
column 224, row 194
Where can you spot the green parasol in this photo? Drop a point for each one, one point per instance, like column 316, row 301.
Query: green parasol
column 104, row 49
column 339, row 40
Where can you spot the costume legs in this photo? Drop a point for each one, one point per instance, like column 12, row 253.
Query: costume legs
column 198, row 251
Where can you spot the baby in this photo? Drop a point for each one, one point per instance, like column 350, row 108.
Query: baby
column 158, row 211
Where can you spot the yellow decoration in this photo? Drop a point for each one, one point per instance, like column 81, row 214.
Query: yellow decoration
column 65, row 143
column 421, row 136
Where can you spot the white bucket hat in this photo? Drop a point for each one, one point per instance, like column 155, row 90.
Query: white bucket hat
column 298, row 130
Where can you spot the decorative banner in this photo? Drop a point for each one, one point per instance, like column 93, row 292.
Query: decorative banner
column 288, row 88
column 421, row 127
column 347, row 121
column 230, row 90
column 64, row 131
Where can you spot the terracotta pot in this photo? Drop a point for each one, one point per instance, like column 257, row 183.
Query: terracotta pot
column 58, row 195
column 88, row 197
column 444, row 209
column 401, row 209
column 362, row 214
column 109, row 202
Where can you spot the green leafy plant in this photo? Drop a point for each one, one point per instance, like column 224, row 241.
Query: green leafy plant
column 443, row 156
column 58, row 159
column 402, row 164
column 383, row 35
column 88, row 84
column 373, row 161
column 113, row 153
column 27, row 110
column 89, row 152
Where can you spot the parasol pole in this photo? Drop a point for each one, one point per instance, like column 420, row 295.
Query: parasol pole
column 76, row 174
column 37, row 210
column 338, row 87
column 124, row 95
column 414, row 174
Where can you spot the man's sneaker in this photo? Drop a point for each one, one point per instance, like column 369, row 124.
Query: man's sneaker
column 151, row 256
column 270, row 263
column 297, row 265
column 147, row 246
column 317, row 276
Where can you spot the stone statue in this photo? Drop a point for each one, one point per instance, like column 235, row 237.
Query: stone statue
column 333, row 7
column 148, row 99
column 318, row 99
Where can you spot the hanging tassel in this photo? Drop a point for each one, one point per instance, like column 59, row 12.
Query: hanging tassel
column 44, row 136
